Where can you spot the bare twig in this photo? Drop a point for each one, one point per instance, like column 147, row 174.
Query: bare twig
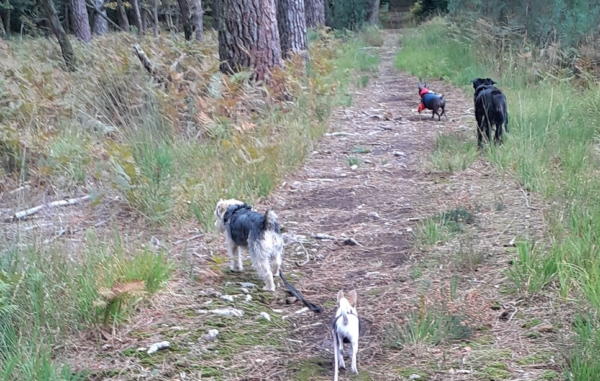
column 29, row 212
column 291, row 238
column 147, row 64
column 513, row 315
column 188, row 239
column 527, row 200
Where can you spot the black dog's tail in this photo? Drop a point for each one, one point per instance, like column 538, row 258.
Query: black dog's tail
column 297, row 294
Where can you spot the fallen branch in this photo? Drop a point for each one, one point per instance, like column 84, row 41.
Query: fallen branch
column 188, row 239
column 147, row 64
column 29, row 212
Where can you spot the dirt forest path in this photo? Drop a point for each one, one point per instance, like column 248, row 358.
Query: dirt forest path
column 369, row 180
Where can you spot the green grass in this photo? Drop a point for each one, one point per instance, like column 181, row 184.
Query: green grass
column 552, row 149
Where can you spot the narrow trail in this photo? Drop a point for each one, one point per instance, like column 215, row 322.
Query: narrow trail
column 378, row 205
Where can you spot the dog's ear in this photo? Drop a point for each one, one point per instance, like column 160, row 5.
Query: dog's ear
column 492, row 81
column 420, row 86
column 340, row 296
column 221, row 208
column 426, row 85
column 475, row 83
column 352, row 298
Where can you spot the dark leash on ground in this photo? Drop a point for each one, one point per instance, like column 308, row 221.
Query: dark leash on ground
column 297, row 294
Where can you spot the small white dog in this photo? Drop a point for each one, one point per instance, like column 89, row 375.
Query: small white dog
column 346, row 327
column 258, row 233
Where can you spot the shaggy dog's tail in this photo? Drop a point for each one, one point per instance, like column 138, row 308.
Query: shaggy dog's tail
column 270, row 220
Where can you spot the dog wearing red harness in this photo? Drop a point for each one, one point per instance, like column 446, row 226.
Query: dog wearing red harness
column 431, row 101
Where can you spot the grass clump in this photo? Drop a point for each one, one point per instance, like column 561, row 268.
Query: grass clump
column 440, row 316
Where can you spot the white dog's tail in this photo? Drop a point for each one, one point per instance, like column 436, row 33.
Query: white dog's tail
column 270, row 219
column 344, row 317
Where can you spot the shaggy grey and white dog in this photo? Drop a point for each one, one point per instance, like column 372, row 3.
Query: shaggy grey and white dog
column 258, row 233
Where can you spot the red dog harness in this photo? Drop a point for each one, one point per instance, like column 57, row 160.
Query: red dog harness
column 422, row 105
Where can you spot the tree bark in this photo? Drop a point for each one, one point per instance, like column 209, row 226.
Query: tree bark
column 2, row 29
column 315, row 13
column 57, row 28
column 374, row 12
column 100, row 23
column 184, row 10
column 81, row 21
column 248, row 36
column 123, row 21
column 6, row 16
column 291, row 21
column 198, row 24
column 155, row 17
column 144, row 13
column 137, row 16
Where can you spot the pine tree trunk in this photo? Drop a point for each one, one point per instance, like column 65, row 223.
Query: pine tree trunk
column 315, row 13
column 2, row 29
column 155, row 17
column 137, row 16
column 144, row 13
column 6, row 16
column 198, row 24
column 81, row 21
column 374, row 12
column 100, row 23
column 184, row 10
column 249, row 37
column 291, row 21
column 61, row 35
column 123, row 21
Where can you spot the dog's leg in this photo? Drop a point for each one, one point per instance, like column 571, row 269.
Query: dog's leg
column 234, row 252
column 340, row 340
column 354, row 351
column 276, row 265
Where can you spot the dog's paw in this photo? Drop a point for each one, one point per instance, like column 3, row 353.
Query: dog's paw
column 270, row 289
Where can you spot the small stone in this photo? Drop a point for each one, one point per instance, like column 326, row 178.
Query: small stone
column 414, row 377
column 158, row 346
column 227, row 298
column 398, row 153
column 291, row 300
column 354, row 167
column 228, row 312
column 247, row 285
column 211, row 335
column 248, row 298
column 245, row 290
column 265, row 315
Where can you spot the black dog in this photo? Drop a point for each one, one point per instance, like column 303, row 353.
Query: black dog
column 490, row 109
column 432, row 101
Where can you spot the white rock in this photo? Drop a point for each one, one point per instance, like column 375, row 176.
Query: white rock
column 228, row 312
column 227, row 298
column 158, row 346
column 266, row 316
column 414, row 377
